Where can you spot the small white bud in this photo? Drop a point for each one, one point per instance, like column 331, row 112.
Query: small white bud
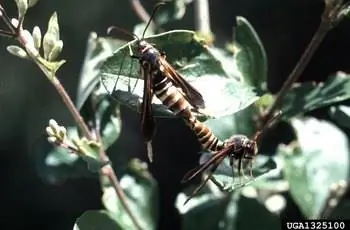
column 53, row 123
column 37, row 37
column 14, row 22
column 52, row 139
column 50, row 131
column 17, row 51
column 29, row 43
column 62, row 132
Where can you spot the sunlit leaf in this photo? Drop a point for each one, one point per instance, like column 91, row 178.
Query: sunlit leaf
column 97, row 219
column 141, row 196
column 225, row 213
column 309, row 96
column 250, row 55
column 242, row 122
column 319, row 158
column 196, row 64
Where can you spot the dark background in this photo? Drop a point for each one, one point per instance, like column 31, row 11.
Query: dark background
column 28, row 101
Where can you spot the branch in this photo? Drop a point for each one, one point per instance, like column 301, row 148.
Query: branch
column 202, row 16
column 140, row 10
column 330, row 18
column 107, row 169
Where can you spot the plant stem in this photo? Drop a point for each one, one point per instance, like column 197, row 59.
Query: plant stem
column 107, row 170
column 110, row 173
column 316, row 40
column 202, row 18
column 140, row 10
column 71, row 107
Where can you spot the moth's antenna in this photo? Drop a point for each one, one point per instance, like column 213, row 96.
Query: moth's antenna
column 156, row 7
column 109, row 30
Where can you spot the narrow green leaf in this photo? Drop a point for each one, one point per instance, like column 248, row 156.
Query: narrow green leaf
column 32, row 3
column 52, row 35
column 251, row 56
column 171, row 11
column 341, row 115
column 193, row 60
column 342, row 211
column 97, row 50
column 108, row 113
column 141, row 196
column 22, row 6
column 97, row 219
column 320, row 158
column 310, row 96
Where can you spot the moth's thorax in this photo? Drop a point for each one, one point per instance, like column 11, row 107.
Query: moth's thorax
column 149, row 54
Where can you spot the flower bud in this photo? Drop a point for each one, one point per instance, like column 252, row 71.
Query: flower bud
column 50, row 131
column 37, row 37
column 17, row 51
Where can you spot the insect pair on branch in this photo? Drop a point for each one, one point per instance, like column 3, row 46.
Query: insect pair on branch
column 163, row 81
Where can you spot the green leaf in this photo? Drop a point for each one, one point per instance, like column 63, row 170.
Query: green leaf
column 141, row 196
column 319, row 158
column 233, row 211
column 251, row 56
column 108, row 121
column 174, row 10
column 108, row 113
column 140, row 28
column 193, row 60
column 96, row 219
column 93, row 103
column 242, row 122
column 310, row 96
column 55, row 165
column 97, row 50
column 263, row 219
column 341, row 115
column 203, row 212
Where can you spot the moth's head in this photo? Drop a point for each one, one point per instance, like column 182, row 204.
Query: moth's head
column 142, row 45
column 251, row 148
